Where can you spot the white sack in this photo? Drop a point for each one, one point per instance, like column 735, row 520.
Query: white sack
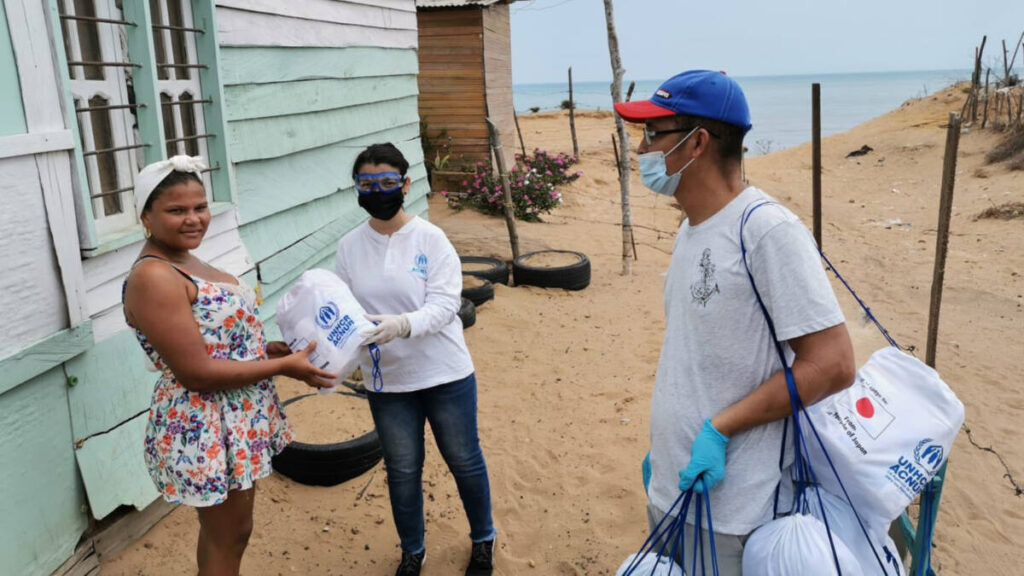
column 843, row 523
column 650, row 565
column 795, row 545
column 887, row 434
column 320, row 307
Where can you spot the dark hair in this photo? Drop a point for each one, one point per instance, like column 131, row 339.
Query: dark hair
column 729, row 137
column 172, row 179
column 385, row 153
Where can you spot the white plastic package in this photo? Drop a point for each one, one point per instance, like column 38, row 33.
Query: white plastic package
column 650, row 565
column 843, row 523
column 887, row 434
column 796, row 545
column 320, row 307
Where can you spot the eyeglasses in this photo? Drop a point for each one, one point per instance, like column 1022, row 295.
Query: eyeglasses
column 650, row 135
column 385, row 182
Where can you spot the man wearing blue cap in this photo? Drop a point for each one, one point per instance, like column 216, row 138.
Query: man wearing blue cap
column 720, row 395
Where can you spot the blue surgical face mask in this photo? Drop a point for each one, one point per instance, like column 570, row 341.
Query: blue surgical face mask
column 654, row 172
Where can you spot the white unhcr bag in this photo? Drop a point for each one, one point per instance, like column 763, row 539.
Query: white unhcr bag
column 887, row 434
column 320, row 307
column 650, row 565
column 843, row 524
column 796, row 545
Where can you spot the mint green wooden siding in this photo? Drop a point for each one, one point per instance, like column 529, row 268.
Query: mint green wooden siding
column 103, row 398
column 42, row 511
column 12, row 114
column 297, row 118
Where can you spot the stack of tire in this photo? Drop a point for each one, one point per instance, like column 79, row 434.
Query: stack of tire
column 479, row 275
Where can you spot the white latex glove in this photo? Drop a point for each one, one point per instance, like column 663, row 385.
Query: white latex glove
column 388, row 327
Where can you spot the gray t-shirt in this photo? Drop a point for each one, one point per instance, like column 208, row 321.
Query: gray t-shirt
column 718, row 349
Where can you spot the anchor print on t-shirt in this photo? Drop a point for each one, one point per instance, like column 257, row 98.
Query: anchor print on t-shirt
column 705, row 286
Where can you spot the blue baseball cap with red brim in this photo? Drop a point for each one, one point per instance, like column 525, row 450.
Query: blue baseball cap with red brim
column 702, row 93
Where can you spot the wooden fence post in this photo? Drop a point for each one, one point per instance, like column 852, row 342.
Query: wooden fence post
column 622, row 154
column 984, row 118
column 506, row 188
column 615, row 147
column 942, row 235
column 816, row 158
column 572, row 118
column 519, row 132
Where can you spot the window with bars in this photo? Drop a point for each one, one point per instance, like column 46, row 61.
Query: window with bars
column 102, row 73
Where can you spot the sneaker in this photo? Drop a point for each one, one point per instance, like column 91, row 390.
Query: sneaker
column 411, row 563
column 481, row 559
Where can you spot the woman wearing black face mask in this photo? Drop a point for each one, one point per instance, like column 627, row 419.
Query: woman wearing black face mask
column 406, row 274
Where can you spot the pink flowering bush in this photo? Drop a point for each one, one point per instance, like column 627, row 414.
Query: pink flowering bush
column 534, row 181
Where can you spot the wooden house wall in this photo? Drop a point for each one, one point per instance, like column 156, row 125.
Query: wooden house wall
column 42, row 318
column 498, row 75
column 451, row 81
column 308, row 84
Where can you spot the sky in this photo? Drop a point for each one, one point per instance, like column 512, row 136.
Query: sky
column 658, row 38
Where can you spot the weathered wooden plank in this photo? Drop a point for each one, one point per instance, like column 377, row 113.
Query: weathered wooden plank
column 87, row 235
column 81, row 563
column 42, row 509
column 44, row 355
column 448, row 18
column 59, row 197
column 12, row 114
column 108, row 324
column 468, row 84
column 130, row 528
column 440, row 44
column 266, row 237
column 330, row 11
column 33, row 305
column 113, row 469
column 241, row 28
column 243, row 102
column 454, row 74
column 270, row 64
column 25, row 144
column 314, row 173
column 272, row 137
column 32, row 51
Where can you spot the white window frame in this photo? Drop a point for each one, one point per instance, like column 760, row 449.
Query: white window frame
column 129, row 36
column 175, row 88
column 114, row 89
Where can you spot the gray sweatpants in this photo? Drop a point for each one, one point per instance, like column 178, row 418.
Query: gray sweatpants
column 728, row 547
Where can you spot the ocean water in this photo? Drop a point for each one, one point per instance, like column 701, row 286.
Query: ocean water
column 780, row 106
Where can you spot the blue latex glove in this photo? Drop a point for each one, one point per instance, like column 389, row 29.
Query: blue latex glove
column 707, row 460
column 645, row 467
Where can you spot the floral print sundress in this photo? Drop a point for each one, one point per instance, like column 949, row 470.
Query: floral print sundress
column 199, row 446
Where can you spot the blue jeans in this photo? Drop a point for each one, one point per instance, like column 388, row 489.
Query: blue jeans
column 451, row 410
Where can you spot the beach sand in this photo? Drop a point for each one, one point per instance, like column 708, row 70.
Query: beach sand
column 565, row 378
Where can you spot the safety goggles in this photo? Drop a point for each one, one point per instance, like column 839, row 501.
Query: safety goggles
column 385, row 182
column 650, row 134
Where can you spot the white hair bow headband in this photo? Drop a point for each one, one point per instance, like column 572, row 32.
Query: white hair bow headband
column 151, row 176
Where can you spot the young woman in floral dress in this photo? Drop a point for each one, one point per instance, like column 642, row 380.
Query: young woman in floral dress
column 215, row 420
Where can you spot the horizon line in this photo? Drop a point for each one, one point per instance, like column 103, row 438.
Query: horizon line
column 801, row 75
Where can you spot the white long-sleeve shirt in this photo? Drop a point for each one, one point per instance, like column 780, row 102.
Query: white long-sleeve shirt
column 416, row 272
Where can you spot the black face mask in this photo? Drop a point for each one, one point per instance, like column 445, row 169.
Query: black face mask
column 380, row 205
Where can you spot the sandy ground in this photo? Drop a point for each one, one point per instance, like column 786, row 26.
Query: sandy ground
column 565, row 378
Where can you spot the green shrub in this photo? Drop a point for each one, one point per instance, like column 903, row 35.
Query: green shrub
column 533, row 182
